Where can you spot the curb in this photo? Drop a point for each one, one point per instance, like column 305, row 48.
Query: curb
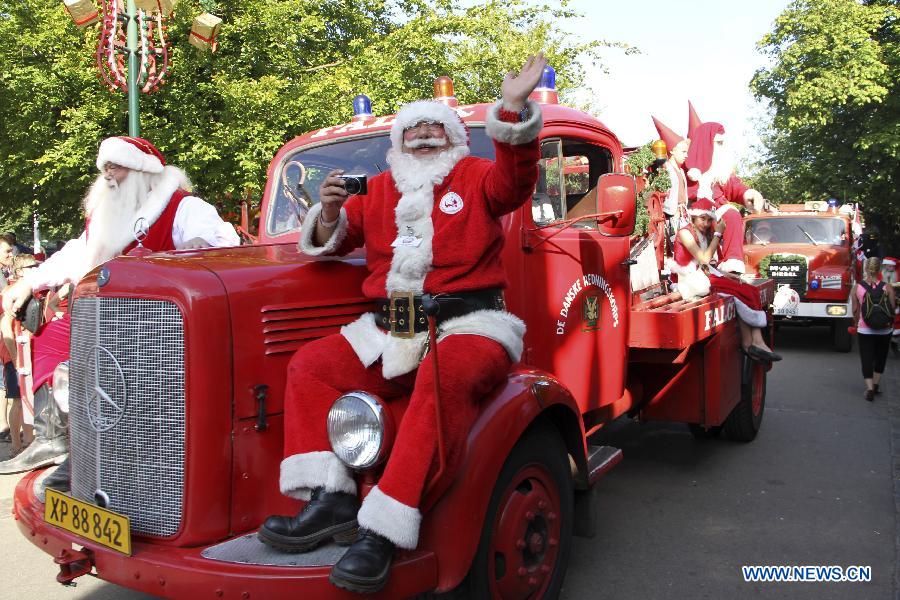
column 892, row 375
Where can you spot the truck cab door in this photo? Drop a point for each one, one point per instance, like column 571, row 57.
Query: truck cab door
column 576, row 285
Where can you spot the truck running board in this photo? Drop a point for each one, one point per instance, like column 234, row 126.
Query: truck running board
column 600, row 460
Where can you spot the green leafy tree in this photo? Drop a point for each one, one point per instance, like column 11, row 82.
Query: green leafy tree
column 834, row 128
column 283, row 67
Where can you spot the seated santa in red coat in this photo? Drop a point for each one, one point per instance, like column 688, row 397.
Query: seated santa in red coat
column 432, row 231
column 710, row 173
column 135, row 191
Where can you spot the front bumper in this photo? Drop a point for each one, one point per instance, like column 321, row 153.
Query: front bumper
column 818, row 310
column 173, row 572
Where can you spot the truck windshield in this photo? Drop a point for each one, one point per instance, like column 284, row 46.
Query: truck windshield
column 796, row 230
column 356, row 156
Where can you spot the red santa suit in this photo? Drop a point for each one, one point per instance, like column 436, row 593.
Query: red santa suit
column 722, row 189
column 431, row 229
column 169, row 215
column 694, row 283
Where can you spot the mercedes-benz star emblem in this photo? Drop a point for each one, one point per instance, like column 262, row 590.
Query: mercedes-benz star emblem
column 140, row 230
column 103, row 277
column 105, row 405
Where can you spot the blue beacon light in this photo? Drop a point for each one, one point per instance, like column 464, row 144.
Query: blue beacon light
column 545, row 92
column 814, row 284
column 362, row 107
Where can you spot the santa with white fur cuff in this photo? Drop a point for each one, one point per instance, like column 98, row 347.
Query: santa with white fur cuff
column 135, row 191
column 432, row 231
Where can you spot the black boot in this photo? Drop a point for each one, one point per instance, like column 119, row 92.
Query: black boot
column 328, row 515
column 365, row 567
column 58, row 479
column 50, row 443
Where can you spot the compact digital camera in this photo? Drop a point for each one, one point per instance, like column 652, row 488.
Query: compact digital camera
column 355, row 184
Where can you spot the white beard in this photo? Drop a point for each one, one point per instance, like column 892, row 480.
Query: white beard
column 113, row 210
column 412, row 172
column 722, row 166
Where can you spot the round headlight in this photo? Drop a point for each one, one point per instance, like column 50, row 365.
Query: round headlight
column 360, row 429
column 61, row 385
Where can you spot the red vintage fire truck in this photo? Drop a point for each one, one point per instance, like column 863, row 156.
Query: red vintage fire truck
column 809, row 248
column 177, row 379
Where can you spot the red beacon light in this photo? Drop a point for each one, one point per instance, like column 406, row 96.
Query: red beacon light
column 443, row 91
column 362, row 107
column 545, row 92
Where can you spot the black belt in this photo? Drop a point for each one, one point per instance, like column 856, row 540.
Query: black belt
column 405, row 314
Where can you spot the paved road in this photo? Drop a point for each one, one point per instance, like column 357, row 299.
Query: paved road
column 679, row 517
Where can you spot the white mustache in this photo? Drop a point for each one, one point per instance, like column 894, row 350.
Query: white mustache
column 112, row 184
column 431, row 142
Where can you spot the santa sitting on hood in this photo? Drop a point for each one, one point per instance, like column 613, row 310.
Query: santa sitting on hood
column 710, row 172
column 432, row 231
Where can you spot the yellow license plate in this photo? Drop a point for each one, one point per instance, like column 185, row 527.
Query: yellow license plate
column 88, row 521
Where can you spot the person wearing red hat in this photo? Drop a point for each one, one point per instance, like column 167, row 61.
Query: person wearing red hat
column 710, row 173
column 696, row 247
column 675, row 204
column 433, row 237
column 135, row 190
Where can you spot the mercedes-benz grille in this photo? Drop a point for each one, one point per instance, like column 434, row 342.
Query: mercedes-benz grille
column 127, row 409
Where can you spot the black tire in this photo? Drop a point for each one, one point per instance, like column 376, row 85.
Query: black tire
column 702, row 433
column 494, row 573
column 744, row 422
column 842, row 341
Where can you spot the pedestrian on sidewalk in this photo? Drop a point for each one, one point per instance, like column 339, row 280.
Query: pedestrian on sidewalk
column 870, row 298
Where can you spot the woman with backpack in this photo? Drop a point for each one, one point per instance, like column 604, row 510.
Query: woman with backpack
column 873, row 313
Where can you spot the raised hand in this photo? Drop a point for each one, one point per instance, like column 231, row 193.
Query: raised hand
column 516, row 87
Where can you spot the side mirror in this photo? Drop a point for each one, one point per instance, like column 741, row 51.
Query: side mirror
column 617, row 192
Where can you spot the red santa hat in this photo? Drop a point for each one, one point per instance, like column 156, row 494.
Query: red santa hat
column 431, row 111
column 889, row 260
column 694, row 120
column 131, row 152
column 701, row 207
column 700, row 153
column 671, row 138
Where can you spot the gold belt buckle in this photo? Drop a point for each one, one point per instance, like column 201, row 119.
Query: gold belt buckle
column 403, row 323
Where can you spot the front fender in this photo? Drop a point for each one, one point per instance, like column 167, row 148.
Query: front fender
column 452, row 529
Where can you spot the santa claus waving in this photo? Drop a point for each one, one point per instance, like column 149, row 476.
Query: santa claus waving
column 432, row 231
column 710, row 172
column 135, row 195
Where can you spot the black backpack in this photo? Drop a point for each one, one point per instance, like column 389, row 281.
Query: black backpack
column 876, row 306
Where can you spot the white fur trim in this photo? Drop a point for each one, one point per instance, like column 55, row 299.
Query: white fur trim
column 514, row 133
column 753, row 318
column 119, row 152
column 429, row 110
column 720, row 212
column 308, row 232
column 300, row 473
column 390, row 519
column 732, row 265
column 411, row 264
column 504, row 328
column 402, row 355
column 366, row 339
column 698, row 213
column 693, row 285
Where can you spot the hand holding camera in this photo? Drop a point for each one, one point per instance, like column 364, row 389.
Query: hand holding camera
column 335, row 190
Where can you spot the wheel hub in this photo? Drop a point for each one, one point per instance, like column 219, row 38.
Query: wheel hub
column 526, row 532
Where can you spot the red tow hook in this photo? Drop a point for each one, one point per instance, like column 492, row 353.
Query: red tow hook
column 73, row 564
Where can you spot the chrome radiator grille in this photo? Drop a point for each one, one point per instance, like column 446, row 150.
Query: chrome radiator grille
column 127, row 409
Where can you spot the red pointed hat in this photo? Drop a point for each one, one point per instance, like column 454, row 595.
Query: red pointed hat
column 134, row 153
column 671, row 138
column 694, row 120
column 701, row 207
column 701, row 151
